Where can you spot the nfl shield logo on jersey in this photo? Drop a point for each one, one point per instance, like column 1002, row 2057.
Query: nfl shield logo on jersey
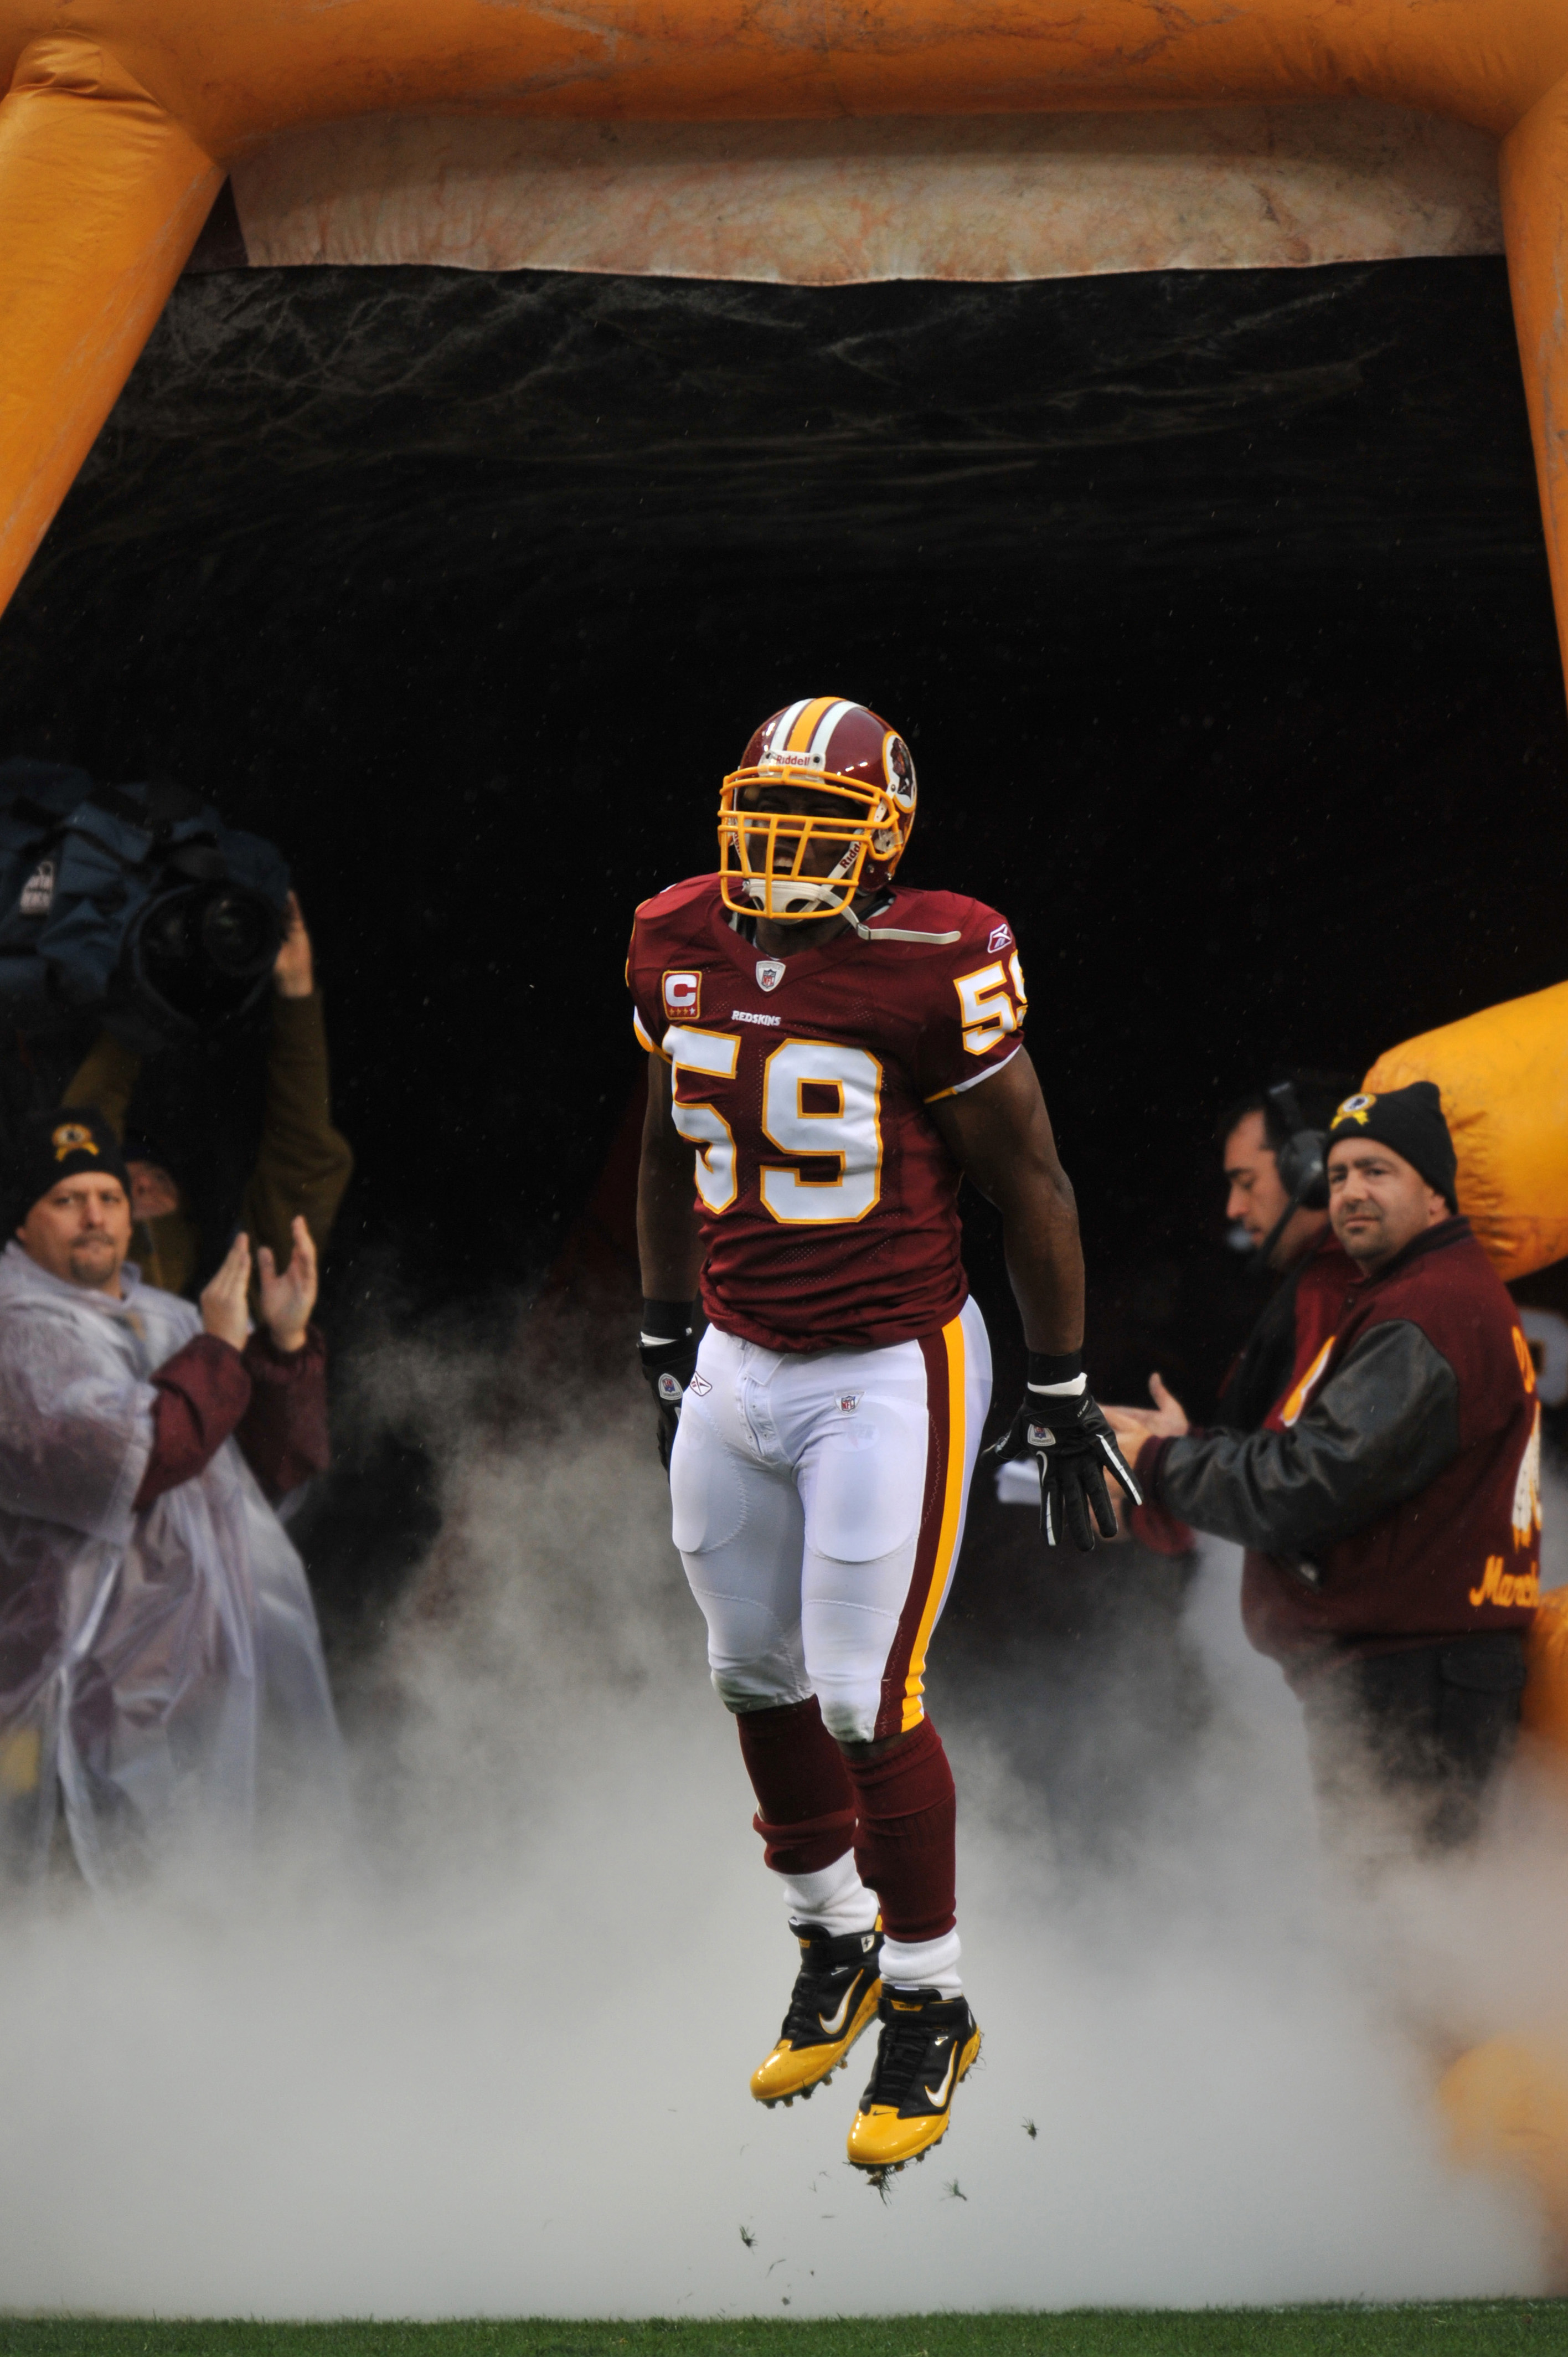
column 770, row 973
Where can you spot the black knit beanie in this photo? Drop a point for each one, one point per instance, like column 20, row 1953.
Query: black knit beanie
column 1411, row 1121
column 50, row 1146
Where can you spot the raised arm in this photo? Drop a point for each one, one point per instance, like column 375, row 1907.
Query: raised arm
column 304, row 1163
column 106, row 1078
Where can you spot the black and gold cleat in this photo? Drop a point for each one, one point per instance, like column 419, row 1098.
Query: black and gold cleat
column 928, row 2044
column 835, row 1998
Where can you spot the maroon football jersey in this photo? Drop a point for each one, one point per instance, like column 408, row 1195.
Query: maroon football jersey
column 829, row 1204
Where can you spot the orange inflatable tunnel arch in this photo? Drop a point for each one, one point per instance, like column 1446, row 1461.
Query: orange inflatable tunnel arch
column 114, row 134
column 1503, row 1078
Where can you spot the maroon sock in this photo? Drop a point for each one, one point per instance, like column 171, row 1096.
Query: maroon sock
column 806, row 1812
column 904, row 1839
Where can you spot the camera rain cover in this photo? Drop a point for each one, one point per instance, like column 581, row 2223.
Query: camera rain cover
column 136, row 901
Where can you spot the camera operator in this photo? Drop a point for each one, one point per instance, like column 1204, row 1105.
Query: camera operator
column 155, row 1619
column 1390, row 1506
column 303, row 1165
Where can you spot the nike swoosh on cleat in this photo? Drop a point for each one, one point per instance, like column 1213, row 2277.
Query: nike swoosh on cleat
column 937, row 2096
column 831, row 2029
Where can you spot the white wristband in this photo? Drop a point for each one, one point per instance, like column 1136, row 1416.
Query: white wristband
column 1075, row 1390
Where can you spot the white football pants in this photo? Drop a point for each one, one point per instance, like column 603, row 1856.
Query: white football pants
column 818, row 1505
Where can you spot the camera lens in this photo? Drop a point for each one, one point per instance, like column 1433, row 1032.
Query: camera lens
column 202, row 954
column 240, row 935
column 165, row 933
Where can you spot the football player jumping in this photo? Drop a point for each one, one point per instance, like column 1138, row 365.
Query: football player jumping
column 828, row 1058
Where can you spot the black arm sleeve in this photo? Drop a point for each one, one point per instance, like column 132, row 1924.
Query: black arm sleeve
column 1383, row 1426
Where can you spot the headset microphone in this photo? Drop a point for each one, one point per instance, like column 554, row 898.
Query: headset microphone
column 1301, row 1160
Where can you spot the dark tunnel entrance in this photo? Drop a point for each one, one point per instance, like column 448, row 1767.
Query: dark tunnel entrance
column 1214, row 604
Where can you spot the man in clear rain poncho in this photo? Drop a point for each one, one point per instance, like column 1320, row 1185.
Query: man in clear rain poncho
column 158, row 1646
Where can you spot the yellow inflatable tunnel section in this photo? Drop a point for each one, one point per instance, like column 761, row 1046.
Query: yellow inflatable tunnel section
column 1505, row 2106
column 119, row 117
column 1546, row 1693
column 1503, row 1075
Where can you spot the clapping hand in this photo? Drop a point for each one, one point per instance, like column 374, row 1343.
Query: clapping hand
column 287, row 1300
column 224, row 1310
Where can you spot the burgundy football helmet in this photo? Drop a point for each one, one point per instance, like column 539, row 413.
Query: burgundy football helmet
column 859, row 804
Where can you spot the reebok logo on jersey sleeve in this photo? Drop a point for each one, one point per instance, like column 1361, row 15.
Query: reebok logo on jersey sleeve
column 683, row 994
column 1000, row 937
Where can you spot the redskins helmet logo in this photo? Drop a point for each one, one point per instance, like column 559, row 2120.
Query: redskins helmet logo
column 899, row 768
column 71, row 1139
column 1354, row 1109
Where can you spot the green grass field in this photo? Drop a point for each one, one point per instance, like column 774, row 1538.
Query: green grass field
column 1473, row 2328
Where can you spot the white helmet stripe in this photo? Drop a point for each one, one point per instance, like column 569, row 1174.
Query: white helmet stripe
column 822, row 736
column 778, row 730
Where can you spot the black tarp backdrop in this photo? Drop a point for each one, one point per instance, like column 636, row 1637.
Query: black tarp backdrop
column 1215, row 606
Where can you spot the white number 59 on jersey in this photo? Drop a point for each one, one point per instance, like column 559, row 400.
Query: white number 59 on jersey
column 821, row 1103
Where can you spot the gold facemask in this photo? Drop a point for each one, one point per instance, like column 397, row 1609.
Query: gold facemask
column 766, row 868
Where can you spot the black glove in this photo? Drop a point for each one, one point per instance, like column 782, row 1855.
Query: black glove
column 1067, row 1435
column 667, row 1349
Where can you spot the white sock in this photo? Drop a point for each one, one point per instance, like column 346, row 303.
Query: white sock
column 836, row 1898
column 923, row 1964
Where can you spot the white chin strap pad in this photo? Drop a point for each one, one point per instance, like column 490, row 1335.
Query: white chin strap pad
column 791, row 892
column 805, row 892
column 801, row 892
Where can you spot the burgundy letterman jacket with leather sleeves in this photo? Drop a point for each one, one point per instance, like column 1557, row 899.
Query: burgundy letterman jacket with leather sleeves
column 1300, row 1314
column 1392, row 1498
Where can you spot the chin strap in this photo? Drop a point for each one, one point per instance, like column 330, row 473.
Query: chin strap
column 885, row 899
column 899, row 933
column 882, row 933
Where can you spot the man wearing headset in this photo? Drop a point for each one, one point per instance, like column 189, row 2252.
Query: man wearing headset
column 1272, row 1143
